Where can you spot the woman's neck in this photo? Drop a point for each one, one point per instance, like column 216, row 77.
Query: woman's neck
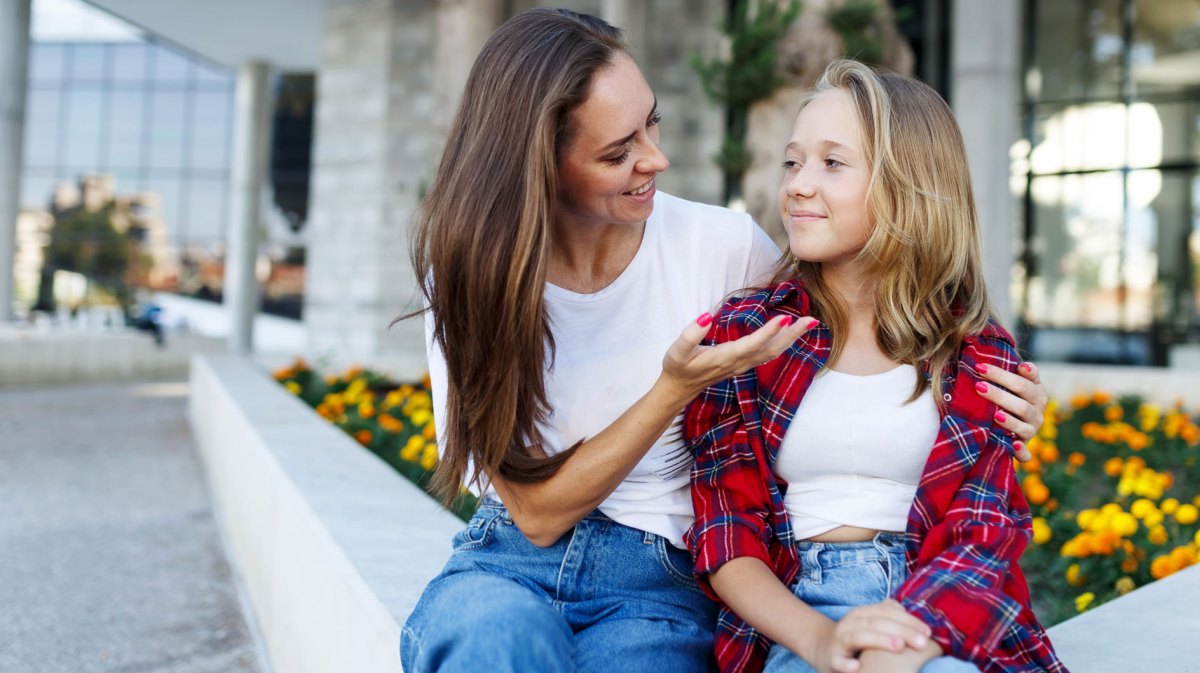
column 587, row 259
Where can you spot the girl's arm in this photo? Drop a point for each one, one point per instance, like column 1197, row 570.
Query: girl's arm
column 753, row 591
column 544, row 511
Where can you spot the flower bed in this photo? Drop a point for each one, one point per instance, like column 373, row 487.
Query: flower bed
column 1114, row 484
column 1113, row 487
column 394, row 421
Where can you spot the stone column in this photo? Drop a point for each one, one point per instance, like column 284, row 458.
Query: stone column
column 986, row 71
column 14, row 59
column 251, row 134
column 463, row 26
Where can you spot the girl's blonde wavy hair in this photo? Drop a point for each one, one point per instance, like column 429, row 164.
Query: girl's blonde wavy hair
column 923, row 250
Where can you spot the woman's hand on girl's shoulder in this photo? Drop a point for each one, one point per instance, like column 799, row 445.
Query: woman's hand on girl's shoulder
column 691, row 367
column 1022, row 401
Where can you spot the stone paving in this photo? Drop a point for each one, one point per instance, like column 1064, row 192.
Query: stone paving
column 110, row 558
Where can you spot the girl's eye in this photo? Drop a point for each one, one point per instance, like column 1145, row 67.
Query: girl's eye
column 833, row 163
column 791, row 164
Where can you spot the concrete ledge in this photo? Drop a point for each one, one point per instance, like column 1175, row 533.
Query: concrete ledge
column 1155, row 384
column 1151, row 629
column 40, row 357
column 332, row 545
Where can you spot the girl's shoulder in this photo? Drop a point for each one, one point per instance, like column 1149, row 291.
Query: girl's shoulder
column 747, row 310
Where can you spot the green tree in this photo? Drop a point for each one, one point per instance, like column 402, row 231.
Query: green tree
column 747, row 75
column 88, row 243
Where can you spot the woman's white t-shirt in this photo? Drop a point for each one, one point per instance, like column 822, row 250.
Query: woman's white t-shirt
column 609, row 346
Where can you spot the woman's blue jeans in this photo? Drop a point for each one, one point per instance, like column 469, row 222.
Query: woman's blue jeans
column 836, row 577
column 605, row 597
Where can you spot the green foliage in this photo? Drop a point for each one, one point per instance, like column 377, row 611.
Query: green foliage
column 857, row 23
column 88, row 243
column 754, row 29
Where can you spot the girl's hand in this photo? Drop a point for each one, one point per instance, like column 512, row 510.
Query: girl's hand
column 690, row 367
column 885, row 626
column 1022, row 400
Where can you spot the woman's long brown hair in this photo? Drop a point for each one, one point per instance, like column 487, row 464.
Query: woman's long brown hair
column 481, row 241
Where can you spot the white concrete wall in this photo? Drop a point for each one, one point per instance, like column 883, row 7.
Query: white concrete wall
column 40, row 357
column 1162, row 386
column 333, row 546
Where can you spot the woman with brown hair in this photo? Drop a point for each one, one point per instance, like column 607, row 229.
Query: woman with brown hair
column 556, row 276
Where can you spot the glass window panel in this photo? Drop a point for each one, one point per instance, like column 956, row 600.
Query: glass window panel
column 42, row 127
column 1077, row 50
column 169, row 66
column 37, row 186
column 129, row 62
column 127, row 180
column 125, row 137
column 206, row 216
column 1068, row 137
column 1166, row 43
column 1168, row 209
column 88, row 62
column 167, row 129
column 213, row 74
column 82, row 134
column 1077, row 246
column 1166, row 133
column 211, row 112
column 46, row 62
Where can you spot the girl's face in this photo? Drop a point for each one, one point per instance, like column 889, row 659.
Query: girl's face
column 606, row 174
column 823, row 197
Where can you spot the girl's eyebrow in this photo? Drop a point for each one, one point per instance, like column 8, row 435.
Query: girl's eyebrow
column 829, row 144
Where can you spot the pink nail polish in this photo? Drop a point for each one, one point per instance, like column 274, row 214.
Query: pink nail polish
column 981, row 368
column 1018, row 445
column 1027, row 367
column 1000, row 417
column 704, row 320
column 786, row 322
column 813, row 323
column 981, row 387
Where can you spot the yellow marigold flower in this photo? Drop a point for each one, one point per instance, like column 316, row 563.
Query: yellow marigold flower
column 1069, row 549
column 1158, row 535
column 1169, row 506
column 1129, row 565
column 1083, row 601
column 331, row 379
column 1124, row 586
column 1196, row 539
column 1141, row 507
column 1111, row 508
column 1048, row 431
column 412, row 450
column 1085, row 517
column 1074, row 577
column 363, row 437
column 1113, row 414
column 366, row 409
column 430, row 457
column 1041, row 531
column 1187, row 514
column 421, row 417
column 292, row 387
column 1125, row 524
column 1125, row 486
column 1112, row 467
column 1152, row 518
column 1162, row 566
column 1076, row 459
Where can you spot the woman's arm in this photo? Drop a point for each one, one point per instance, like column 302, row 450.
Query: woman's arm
column 753, row 591
column 546, row 510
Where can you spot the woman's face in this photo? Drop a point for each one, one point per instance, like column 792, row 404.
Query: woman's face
column 823, row 197
column 606, row 174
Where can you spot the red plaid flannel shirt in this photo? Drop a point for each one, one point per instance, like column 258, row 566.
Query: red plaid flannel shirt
column 967, row 527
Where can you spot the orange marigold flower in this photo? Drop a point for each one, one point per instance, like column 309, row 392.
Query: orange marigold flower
column 1112, row 467
column 1074, row 577
column 1102, row 398
column 1076, row 459
column 1161, row 567
column 363, row 436
column 1113, row 414
column 1158, row 535
column 1129, row 565
column 1049, row 453
column 1080, row 401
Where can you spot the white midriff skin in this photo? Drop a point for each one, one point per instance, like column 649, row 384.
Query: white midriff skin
column 606, row 192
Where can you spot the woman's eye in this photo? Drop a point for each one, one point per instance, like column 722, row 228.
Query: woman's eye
column 654, row 119
column 617, row 161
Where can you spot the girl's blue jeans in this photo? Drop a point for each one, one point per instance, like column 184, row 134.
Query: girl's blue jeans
column 605, row 597
column 836, row 577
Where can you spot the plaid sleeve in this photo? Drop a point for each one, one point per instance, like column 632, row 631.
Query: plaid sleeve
column 729, row 494
column 961, row 583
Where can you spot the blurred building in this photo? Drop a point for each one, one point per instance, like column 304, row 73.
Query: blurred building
column 1081, row 117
